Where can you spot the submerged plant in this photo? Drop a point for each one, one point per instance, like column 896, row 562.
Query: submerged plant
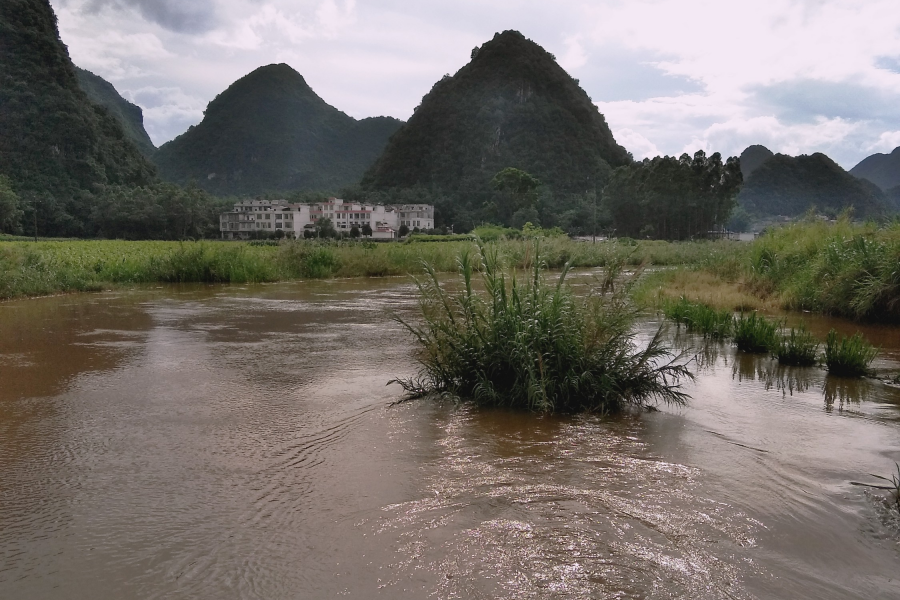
column 755, row 333
column 527, row 343
column 848, row 356
column 798, row 348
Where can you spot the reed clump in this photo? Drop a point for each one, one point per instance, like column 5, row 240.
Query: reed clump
column 700, row 318
column 848, row 356
column 796, row 347
column 754, row 333
column 525, row 342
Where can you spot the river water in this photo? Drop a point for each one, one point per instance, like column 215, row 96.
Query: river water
column 237, row 442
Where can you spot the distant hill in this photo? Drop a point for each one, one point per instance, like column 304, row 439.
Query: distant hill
column 269, row 132
column 752, row 157
column 512, row 105
column 881, row 169
column 129, row 115
column 789, row 186
column 55, row 146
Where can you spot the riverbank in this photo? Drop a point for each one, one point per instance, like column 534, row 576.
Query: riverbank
column 842, row 269
column 50, row 267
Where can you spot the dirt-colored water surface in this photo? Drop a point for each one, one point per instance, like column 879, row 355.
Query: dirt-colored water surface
column 228, row 442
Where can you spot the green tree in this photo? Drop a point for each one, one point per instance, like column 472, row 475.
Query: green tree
column 403, row 230
column 10, row 214
column 673, row 198
column 367, row 230
column 354, row 232
column 515, row 191
column 325, row 229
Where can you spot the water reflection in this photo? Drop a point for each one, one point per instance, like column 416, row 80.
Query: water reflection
column 846, row 392
column 774, row 376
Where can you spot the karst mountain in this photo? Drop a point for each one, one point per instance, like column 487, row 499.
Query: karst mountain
column 270, row 132
column 512, row 105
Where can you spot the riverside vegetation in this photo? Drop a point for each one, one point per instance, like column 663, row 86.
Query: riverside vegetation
column 754, row 333
column 519, row 340
column 48, row 267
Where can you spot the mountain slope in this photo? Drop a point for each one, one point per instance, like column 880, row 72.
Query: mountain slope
column 752, row 157
column 130, row 116
column 56, row 147
column 510, row 106
column 270, row 132
column 881, row 169
column 789, row 186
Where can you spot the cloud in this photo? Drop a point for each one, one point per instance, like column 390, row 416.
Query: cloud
column 804, row 100
column 183, row 16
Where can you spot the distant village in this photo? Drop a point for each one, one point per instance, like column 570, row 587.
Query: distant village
column 253, row 218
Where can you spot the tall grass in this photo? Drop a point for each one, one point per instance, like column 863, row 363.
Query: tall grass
column 839, row 268
column 754, row 333
column 848, row 356
column 797, row 347
column 528, row 343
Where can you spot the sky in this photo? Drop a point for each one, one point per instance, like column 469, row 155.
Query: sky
column 671, row 76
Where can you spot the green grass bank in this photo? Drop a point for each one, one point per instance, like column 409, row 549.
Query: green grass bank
column 49, row 267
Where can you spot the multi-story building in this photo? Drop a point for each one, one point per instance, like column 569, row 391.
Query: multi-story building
column 271, row 216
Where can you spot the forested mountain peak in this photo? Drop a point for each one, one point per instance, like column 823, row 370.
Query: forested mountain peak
column 752, row 157
column 130, row 116
column 512, row 105
column 881, row 169
column 55, row 147
column 269, row 131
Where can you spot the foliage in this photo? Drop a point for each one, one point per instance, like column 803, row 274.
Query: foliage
column 716, row 324
column 797, row 347
column 270, row 132
column 848, row 356
column 787, row 185
column 673, row 198
column 755, row 333
column 10, row 213
column 527, row 343
column 56, row 147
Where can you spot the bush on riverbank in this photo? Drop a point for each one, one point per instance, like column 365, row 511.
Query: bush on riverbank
column 527, row 343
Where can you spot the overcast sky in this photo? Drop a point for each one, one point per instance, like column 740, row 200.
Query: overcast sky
column 798, row 76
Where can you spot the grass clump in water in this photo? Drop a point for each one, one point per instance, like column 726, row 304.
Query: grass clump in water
column 717, row 324
column 755, row 333
column 797, row 348
column 848, row 356
column 527, row 343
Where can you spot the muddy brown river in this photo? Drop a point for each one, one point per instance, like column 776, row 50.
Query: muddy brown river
column 211, row 442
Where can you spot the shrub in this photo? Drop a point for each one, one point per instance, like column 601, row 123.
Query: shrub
column 754, row 333
column 848, row 356
column 527, row 343
column 798, row 348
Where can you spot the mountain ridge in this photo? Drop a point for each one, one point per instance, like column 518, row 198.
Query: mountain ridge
column 881, row 169
column 130, row 115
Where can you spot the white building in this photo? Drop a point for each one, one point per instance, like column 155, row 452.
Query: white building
column 271, row 216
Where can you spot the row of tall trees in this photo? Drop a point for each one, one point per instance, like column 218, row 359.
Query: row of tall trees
column 673, row 198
